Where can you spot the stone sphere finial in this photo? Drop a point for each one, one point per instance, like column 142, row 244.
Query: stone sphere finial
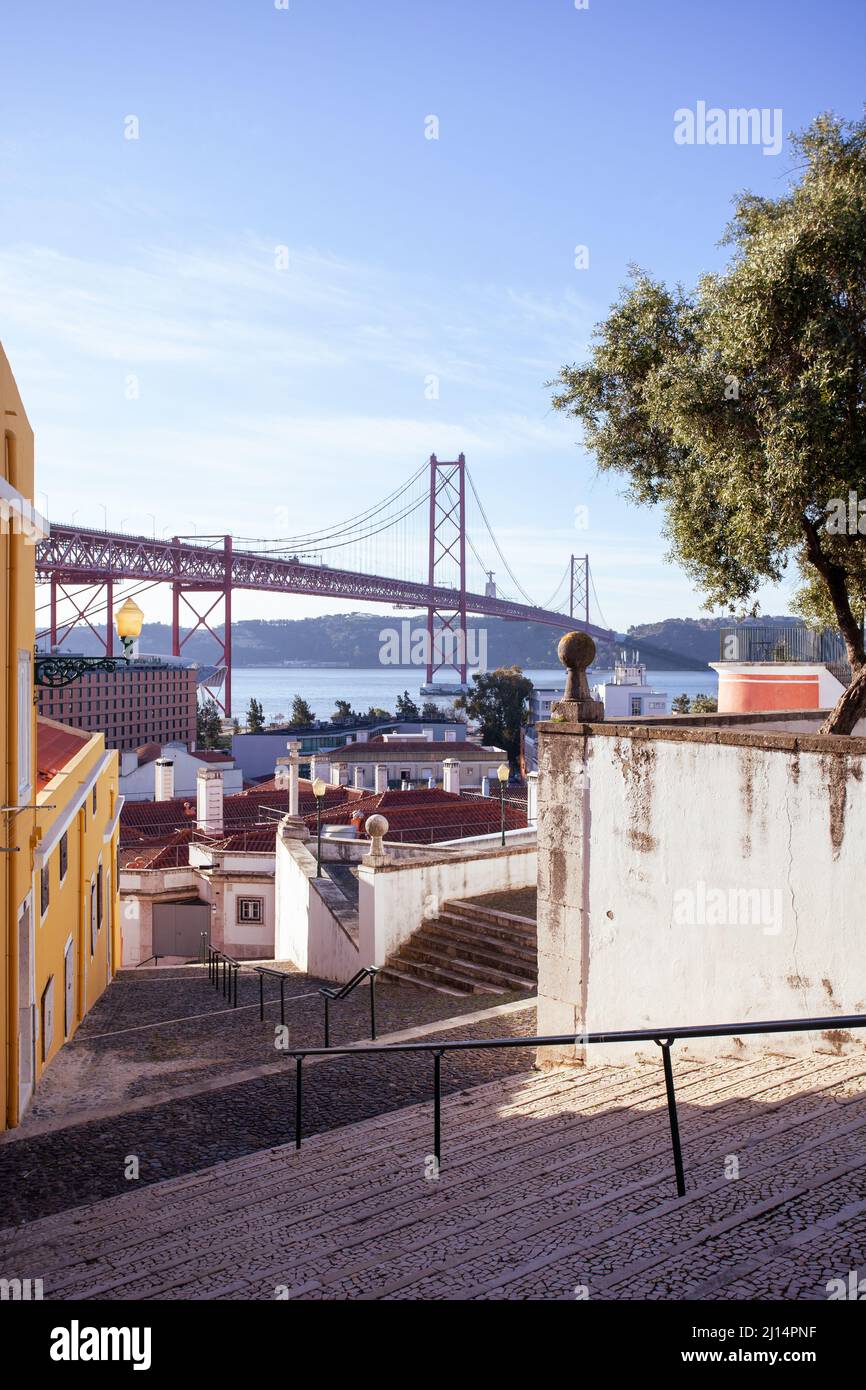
column 377, row 828
column 576, row 651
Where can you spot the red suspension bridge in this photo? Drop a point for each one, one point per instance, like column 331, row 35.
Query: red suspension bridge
column 433, row 526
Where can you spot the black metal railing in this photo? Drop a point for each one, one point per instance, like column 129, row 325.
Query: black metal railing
column 662, row 1037
column 223, row 971
column 788, row 642
column 262, row 971
column 332, row 992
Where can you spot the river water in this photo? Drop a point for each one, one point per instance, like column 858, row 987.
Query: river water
column 274, row 686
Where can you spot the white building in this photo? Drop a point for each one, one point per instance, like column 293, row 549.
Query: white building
column 628, row 696
column 154, row 773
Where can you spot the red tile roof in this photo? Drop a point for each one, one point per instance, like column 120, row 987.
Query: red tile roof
column 153, row 822
column 425, row 815
column 56, row 745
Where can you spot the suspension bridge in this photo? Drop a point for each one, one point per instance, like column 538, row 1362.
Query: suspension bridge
column 428, row 545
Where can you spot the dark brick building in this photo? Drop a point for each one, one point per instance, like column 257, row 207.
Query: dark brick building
column 152, row 700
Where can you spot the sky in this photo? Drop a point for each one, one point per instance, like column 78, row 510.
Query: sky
column 258, row 260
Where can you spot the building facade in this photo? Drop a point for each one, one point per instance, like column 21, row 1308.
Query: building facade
column 59, row 816
column 151, row 700
column 257, row 754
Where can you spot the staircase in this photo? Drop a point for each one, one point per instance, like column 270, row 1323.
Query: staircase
column 549, row 1181
column 468, row 949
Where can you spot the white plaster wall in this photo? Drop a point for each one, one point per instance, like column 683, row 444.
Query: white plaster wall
column 629, row 831
column 394, row 900
column 308, row 931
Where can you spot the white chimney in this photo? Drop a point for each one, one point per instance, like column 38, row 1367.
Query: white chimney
column 294, row 749
column 163, row 789
column 532, row 798
column 340, row 774
column 451, row 775
column 381, row 777
column 209, row 800
column 358, row 776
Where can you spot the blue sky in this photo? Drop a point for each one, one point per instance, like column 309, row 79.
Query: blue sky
column 267, row 399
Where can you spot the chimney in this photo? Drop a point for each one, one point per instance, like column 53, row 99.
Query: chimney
column 532, row 798
column 340, row 774
column 358, row 776
column 209, row 801
column 451, row 775
column 381, row 777
column 163, row 789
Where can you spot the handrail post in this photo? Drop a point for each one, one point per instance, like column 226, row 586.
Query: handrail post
column 237, row 972
column 437, row 1108
column 299, row 1062
column 283, row 1000
column 261, row 997
column 327, row 1021
column 672, row 1115
column 373, row 1007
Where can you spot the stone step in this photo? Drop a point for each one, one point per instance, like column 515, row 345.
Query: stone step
column 465, row 935
column 509, row 928
column 402, row 977
column 454, row 973
column 434, row 947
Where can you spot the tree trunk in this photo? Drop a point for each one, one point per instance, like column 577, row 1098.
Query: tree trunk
column 850, row 706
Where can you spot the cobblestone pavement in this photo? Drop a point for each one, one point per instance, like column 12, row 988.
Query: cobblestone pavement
column 553, row 1185
column 118, row 1059
column 153, row 1032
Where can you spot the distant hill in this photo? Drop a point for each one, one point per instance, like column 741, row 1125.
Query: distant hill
column 355, row 639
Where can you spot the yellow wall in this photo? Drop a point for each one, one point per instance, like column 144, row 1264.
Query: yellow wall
column 26, row 832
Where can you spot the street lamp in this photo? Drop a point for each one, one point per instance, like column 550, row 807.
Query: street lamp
column 502, row 772
column 318, row 793
column 128, row 620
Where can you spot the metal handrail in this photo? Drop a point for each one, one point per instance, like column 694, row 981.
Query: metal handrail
column 662, row 1037
column 329, row 992
column 262, row 971
column 223, row 971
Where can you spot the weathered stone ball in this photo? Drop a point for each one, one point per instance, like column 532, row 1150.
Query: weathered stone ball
column 376, row 825
column 576, row 650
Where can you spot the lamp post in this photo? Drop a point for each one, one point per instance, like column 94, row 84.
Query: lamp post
column 54, row 670
column 318, row 793
column 502, row 772
column 128, row 620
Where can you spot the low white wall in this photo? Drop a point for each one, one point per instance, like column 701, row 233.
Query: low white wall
column 699, row 876
column 315, row 929
column 397, row 897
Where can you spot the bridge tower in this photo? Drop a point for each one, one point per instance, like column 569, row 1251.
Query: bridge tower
column 578, row 593
column 446, row 627
column 188, row 592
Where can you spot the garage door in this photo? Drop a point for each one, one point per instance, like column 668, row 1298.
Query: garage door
column 178, row 927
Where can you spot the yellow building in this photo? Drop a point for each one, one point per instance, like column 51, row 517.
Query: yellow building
column 59, row 816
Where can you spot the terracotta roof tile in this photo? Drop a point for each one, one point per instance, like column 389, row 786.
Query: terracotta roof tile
column 56, row 746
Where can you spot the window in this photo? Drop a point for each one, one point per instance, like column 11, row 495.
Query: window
column 44, row 888
column 94, row 801
column 47, row 1018
column 64, row 856
column 635, row 704
column 93, row 917
column 251, row 909
column 99, row 898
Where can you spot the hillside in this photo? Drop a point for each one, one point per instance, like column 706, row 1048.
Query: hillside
column 356, row 639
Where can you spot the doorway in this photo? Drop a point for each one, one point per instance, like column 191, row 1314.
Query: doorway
column 26, row 1008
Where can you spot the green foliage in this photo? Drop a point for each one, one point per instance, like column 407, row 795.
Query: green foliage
column 681, row 704
column 301, row 713
column 739, row 408
column 430, row 710
column 208, row 724
column 342, row 710
column 704, row 704
column 374, row 712
column 499, row 703
column 406, row 708
column 255, row 717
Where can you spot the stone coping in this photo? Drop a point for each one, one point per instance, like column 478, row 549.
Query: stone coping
column 390, row 867
column 726, row 730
